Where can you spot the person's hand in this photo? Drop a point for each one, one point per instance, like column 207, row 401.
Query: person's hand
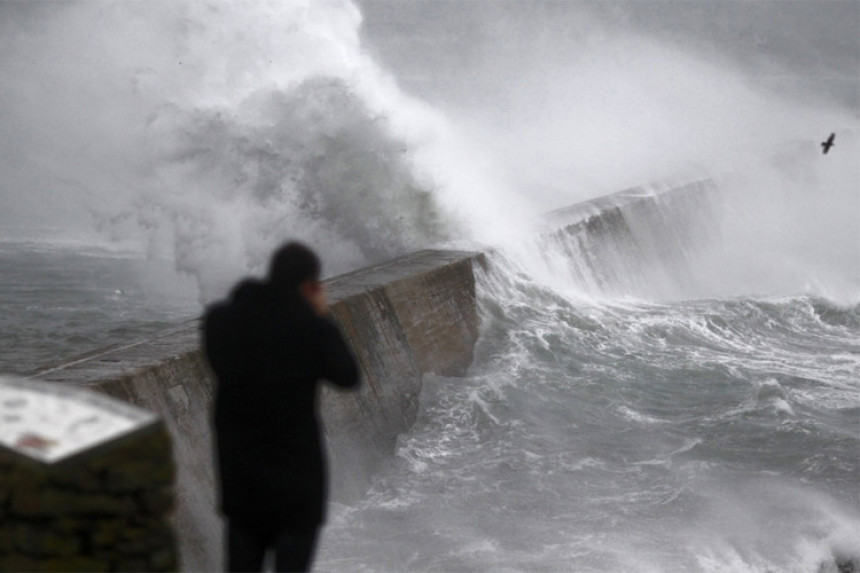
column 314, row 294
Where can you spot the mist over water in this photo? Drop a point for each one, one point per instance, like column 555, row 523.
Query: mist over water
column 670, row 386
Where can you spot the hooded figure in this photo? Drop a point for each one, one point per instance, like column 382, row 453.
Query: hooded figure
column 269, row 345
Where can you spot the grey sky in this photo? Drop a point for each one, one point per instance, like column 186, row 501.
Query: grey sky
column 809, row 49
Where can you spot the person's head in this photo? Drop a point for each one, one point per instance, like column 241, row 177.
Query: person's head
column 294, row 268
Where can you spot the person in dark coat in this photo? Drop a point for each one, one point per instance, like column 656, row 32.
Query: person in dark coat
column 269, row 345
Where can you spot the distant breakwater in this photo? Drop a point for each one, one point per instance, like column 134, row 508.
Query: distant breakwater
column 638, row 240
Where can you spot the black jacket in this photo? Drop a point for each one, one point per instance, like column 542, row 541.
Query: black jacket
column 268, row 354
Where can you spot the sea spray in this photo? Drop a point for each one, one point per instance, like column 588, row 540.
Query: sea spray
column 765, row 228
column 210, row 131
column 695, row 414
column 312, row 162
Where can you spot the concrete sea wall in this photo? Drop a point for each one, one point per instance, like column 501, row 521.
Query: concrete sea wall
column 640, row 240
column 403, row 318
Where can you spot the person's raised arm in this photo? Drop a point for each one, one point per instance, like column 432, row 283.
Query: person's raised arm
column 338, row 364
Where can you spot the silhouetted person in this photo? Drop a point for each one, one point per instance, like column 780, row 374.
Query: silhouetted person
column 269, row 346
column 826, row 145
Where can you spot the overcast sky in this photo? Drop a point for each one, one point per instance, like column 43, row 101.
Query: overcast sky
column 806, row 48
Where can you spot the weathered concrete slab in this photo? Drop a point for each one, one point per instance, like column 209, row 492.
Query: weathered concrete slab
column 411, row 315
column 119, row 361
column 441, row 321
column 168, row 375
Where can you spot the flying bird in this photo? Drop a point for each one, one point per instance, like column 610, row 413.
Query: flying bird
column 826, row 145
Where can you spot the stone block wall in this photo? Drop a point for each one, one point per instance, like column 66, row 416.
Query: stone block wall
column 104, row 508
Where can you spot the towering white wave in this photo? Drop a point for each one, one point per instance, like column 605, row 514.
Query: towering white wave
column 211, row 131
column 711, row 434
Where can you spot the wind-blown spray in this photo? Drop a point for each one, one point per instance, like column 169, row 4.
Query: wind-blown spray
column 666, row 381
column 211, row 131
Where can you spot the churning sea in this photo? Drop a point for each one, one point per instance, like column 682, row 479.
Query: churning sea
column 673, row 386
column 702, row 435
column 590, row 434
column 62, row 295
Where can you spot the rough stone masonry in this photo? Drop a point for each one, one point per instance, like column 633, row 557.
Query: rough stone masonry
column 86, row 482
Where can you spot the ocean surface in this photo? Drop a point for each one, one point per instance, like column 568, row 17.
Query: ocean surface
column 62, row 296
column 665, row 380
column 592, row 433
column 700, row 435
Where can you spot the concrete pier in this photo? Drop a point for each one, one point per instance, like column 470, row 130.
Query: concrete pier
column 403, row 318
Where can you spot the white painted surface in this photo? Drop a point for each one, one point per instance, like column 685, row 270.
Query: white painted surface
column 50, row 422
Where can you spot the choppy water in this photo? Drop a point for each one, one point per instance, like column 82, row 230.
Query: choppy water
column 673, row 386
column 61, row 297
column 705, row 435
column 718, row 434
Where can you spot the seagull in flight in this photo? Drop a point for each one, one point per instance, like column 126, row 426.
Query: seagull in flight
column 826, row 145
